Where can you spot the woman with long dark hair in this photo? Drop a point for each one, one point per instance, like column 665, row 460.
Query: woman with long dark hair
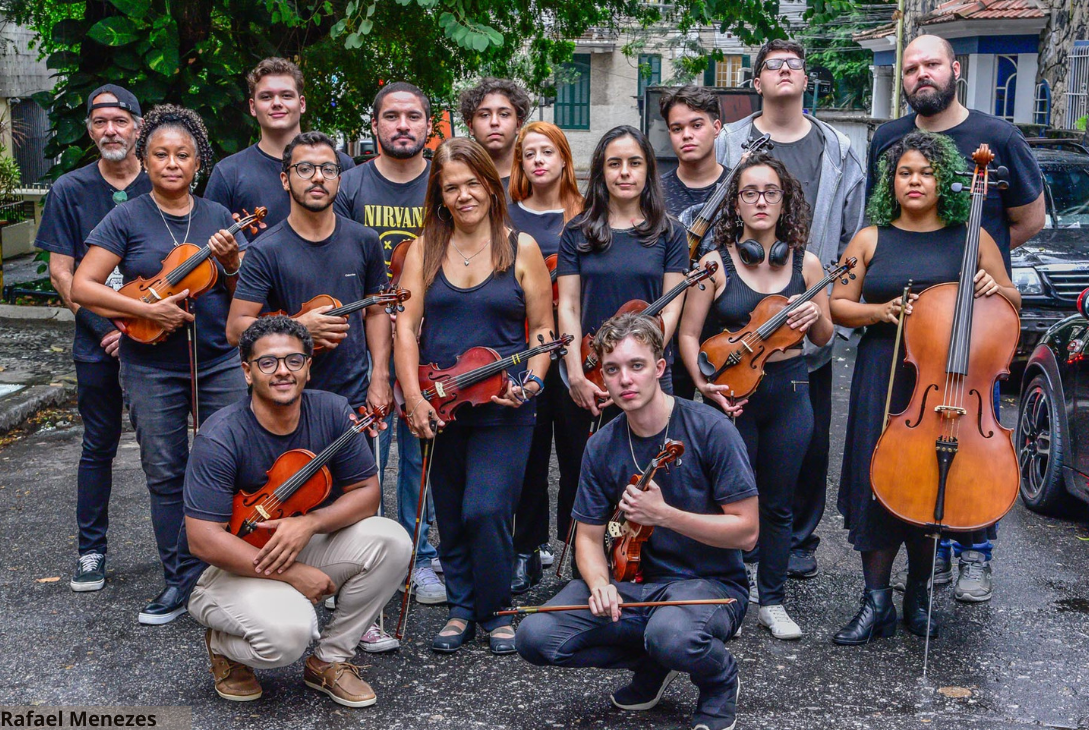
column 760, row 250
column 474, row 282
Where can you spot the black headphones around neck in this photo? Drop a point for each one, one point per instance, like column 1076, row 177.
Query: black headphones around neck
column 751, row 253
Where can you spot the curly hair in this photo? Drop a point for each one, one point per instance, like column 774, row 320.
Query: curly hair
column 795, row 217
column 946, row 161
column 275, row 325
column 471, row 99
column 170, row 116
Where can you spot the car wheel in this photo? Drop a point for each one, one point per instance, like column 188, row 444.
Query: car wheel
column 1040, row 444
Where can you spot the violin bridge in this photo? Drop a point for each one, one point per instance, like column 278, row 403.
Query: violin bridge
column 440, row 390
column 950, row 411
column 746, row 344
column 155, row 294
column 262, row 511
column 614, row 529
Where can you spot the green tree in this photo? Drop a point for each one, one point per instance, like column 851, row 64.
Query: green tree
column 830, row 43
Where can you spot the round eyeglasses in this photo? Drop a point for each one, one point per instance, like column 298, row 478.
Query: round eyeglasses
column 268, row 364
column 771, row 195
column 306, row 170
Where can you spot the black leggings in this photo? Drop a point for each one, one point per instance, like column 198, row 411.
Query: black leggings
column 531, row 518
column 777, row 424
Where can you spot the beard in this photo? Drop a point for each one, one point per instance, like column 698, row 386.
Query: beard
column 935, row 102
column 113, row 154
column 311, row 206
column 400, row 153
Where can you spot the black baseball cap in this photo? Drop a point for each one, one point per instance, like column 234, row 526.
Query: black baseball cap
column 125, row 100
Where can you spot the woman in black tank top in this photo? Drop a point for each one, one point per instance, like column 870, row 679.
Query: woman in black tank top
column 920, row 235
column 770, row 222
column 473, row 283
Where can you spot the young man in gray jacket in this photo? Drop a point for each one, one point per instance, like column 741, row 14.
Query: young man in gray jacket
column 834, row 182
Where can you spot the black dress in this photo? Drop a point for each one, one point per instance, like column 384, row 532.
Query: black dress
column 927, row 259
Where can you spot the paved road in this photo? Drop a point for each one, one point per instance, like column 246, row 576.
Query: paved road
column 1018, row 661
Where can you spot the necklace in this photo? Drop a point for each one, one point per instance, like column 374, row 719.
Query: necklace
column 467, row 259
column 631, row 448
column 188, row 223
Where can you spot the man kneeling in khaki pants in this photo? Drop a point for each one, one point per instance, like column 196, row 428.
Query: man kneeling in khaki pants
column 258, row 605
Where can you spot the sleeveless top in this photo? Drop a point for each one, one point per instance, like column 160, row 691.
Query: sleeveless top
column 733, row 307
column 490, row 314
column 927, row 258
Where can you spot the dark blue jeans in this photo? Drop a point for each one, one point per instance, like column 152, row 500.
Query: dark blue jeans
column 159, row 407
column 98, row 395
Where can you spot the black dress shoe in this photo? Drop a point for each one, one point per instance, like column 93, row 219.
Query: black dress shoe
column 875, row 619
column 527, row 572
column 450, row 643
column 802, row 564
column 166, row 607
column 915, row 608
column 501, row 644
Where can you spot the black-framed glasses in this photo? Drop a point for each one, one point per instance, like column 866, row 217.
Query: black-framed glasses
column 794, row 64
column 306, row 170
column 771, row 195
column 268, row 364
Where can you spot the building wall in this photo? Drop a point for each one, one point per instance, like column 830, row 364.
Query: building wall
column 21, row 73
column 1069, row 22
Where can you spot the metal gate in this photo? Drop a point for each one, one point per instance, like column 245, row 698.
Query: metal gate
column 30, row 127
column 1077, row 89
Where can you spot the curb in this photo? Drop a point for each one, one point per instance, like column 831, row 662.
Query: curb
column 55, row 314
column 17, row 408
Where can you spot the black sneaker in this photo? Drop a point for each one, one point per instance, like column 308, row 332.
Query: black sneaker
column 802, row 564
column 644, row 691
column 90, row 573
column 165, row 607
column 725, row 709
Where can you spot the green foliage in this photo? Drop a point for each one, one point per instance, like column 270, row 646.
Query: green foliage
column 9, row 174
column 1080, row 124
column 829, row 43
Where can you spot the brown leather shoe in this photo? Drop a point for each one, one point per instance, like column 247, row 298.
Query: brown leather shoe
column 339, row 680
column 234, row 681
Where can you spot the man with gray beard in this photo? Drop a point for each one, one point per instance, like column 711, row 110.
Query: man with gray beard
column 76, row 203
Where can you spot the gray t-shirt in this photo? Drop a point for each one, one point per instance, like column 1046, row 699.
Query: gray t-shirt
column 803, row 159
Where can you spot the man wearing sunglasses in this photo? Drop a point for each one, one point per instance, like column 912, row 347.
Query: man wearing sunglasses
column 834, row 183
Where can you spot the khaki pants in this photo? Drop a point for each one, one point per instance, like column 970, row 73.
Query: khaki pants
column 266, row 623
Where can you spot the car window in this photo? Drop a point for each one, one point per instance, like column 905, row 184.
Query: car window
column 1070, row 190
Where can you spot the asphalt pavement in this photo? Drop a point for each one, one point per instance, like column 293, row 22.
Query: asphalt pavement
column 1018, row 661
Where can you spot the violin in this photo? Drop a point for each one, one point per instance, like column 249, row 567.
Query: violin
column 477, row 375
column 297, row 482
column 390, row 299
column 187, row 266
column 397, row 261
column 591, row 366
column 737, row 359
column 625, row 552
column 698, row 223
column 945, row 460
column 550, row 262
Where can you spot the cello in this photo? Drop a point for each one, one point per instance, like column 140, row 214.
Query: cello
column 390, row 299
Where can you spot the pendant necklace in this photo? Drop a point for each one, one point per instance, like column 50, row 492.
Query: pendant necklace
column 467, row 259
column 631, row 448
column 188, row 224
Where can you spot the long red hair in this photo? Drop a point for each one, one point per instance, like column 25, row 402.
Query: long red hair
column 520, row 187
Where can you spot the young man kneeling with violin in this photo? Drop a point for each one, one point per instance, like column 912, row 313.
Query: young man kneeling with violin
column 701, row 503
column 258, row 602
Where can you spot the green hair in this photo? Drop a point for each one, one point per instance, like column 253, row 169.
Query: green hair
column 947, row 162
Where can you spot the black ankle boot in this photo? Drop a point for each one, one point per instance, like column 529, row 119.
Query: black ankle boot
column 875, row 619
column 915, row 608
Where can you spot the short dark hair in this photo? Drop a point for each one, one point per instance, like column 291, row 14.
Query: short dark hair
column 274, row 66
column 471, row 99
column 637, row 325
column 275, row 325
column 306, row 139
column 400, row 86
column 777, row 44
column 696, row 98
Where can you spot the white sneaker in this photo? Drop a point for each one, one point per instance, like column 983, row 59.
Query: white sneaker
column 436, row 565
column 331, row 603
column 376, row 641
column 426, row 585
column 754, row 591
column 776, row 620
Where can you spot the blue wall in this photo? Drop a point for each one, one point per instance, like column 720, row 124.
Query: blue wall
column 1001, row 44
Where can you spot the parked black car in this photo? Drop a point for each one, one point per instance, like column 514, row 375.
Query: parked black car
column 1052, row 436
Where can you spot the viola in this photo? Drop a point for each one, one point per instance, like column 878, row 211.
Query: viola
column 477, row 375
column 591, row 366
column 628, row 538
column 737, row 359
column 298, row 482
column 390, row 299
column 550, row 262
column 187, row 266
column 945, row 461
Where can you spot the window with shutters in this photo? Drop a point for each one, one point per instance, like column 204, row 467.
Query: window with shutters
column 650, row 71
column 573, row 94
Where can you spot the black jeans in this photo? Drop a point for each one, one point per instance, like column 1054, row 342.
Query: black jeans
column 531, row 518
column 99, row 398
column 810, row 493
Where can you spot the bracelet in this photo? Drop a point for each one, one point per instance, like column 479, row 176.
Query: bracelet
column 232, row 273
column 421, row 400
column 538, row 381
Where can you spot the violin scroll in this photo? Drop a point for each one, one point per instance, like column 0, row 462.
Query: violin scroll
column 251, row 221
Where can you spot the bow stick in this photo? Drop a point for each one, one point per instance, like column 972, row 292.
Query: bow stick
column 525, row 610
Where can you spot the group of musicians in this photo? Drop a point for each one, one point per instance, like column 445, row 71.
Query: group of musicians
column 733, row 517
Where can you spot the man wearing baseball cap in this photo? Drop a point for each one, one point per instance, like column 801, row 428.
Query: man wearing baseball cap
column 76, row 203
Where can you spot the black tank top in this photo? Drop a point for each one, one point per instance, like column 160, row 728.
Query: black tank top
column 733, row 308
column 490, row 314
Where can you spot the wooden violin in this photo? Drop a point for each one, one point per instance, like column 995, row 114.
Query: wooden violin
column 550, row 262
column 187, row 266
column 397, row 261
column 737, row 359
column 627, row 537
column 297, row 482
column 390, row 299
column 945, row 460
column 477, row 375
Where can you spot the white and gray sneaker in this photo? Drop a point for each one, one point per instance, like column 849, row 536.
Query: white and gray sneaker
column 974, row 581
column 776, row 620
column 426, row 585
column 754, row 590
column 90, row 573
column 436, row 565
column 548, row 555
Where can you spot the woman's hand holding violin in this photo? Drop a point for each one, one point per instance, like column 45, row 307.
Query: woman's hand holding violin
column 516, row 395
column 587, row 395
column 723, row 396
column 805, row 316
column 225, row 248
column 423, row 420
column 168, row 312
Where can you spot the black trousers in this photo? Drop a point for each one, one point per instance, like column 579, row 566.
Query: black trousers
column 100, row 401
column 531, row 519
column 810, row 492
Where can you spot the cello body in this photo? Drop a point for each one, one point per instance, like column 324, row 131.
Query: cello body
column 312, row 493
column 200, row 280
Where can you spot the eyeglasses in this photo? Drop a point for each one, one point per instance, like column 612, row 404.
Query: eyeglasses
column 771, row 195
column 269, row 364
column 306, row 170
column 794, row 64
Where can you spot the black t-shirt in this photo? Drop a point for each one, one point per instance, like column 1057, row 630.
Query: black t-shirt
column 393, row 210
column 545, row 227
column 679, row 197
column 251, row 178
column 233, row 452
column 1009, row 148
column 802, row 158
column 77, row 202
column 138, row 233
column 713, row 471
column 284, row 271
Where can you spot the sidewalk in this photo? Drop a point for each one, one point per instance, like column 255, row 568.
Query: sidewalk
column 36, row 369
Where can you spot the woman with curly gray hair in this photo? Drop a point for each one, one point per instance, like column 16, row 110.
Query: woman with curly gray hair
column 760, row 247
column 158, row 379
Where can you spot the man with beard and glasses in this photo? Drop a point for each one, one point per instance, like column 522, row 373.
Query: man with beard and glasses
column 1011, row 216
column 387, row 195
column 77, row 202
column 251, row 178
column 494, row 110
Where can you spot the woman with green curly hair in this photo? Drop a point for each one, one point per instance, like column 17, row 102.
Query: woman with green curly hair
column 919, row 236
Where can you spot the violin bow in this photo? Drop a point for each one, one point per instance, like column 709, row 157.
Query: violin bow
column 526, row 610
column 427, row 447
column 896, row 351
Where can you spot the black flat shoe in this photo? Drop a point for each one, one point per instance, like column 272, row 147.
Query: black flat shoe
column 876, row 619
column 501, row 644
column 164, row 608
column 449, row 643
column 915, row 608
column 527, row 572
